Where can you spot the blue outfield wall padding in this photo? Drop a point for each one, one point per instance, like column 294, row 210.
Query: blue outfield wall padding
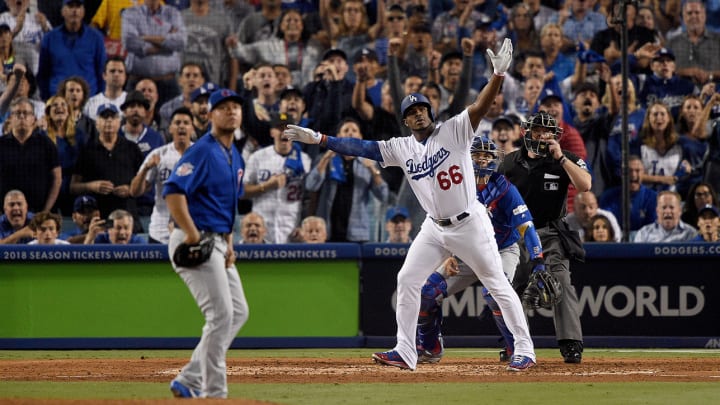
column 697, row 342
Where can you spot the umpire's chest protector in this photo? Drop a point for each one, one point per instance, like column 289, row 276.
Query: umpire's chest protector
column 543, row 184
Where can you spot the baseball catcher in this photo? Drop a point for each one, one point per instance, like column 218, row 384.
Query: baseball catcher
column 187, row 255
column 543, row 289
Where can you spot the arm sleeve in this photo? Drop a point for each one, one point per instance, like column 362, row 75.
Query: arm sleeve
column 532, row 240
column 355, row 147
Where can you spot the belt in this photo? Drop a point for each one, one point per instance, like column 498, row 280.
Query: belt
column 167, row 76
column 221, row 235
column 450, row 221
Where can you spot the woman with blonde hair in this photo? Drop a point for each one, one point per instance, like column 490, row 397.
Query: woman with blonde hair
column 62, row 131
column 351, row 31
column 551, row 42
column 694, row 128
column 612, row 100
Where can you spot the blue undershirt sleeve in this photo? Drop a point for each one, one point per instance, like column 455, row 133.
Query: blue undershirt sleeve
column 355, row 147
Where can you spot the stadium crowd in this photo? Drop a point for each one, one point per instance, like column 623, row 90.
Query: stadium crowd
column 100, row 98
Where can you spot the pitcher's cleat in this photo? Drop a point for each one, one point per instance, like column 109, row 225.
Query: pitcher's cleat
column 179, row 390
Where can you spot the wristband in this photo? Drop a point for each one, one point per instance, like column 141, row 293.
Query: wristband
column 323, row 139
column 562, row 160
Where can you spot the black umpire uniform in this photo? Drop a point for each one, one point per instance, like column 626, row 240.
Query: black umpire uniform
column 543, row 184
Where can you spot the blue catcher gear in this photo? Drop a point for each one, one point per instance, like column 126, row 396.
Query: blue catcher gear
column 500, row 322
column 414, row 99
column 544, row 121
column 429, row 340
column 483, row 165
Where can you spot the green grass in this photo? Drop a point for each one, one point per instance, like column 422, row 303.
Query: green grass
column 369, row 394
column 420, row 393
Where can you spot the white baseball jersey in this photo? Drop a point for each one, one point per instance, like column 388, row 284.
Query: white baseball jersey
column 99, row 99
column 440, row 171
column 441, row 175
column 661, row 165
column 281, row 208
column 156, row 176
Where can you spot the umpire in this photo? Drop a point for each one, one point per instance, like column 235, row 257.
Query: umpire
column 542, row 172
column 202, row 194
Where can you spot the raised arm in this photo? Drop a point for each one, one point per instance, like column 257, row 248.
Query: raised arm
column 501, row 63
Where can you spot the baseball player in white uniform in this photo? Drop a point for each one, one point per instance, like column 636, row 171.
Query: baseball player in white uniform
column 156, row 169
column 437, row 163
column 274, row 179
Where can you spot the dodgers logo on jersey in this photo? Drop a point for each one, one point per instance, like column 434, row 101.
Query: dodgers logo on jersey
column 184, row 169
column 428, row 165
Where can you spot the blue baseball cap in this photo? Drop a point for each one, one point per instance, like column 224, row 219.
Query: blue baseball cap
column 66, row 2
column 104, row 108
column 709, row 208
column 85, row 203
column 220, row 96
column 395, row 212
column 206, row 88
column 548, row 94
column 664, row 53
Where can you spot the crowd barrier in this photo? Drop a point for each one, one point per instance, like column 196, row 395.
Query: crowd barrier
column 337, row 295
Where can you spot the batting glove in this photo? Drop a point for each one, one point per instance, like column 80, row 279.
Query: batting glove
column 300, row 134
column 501, row 61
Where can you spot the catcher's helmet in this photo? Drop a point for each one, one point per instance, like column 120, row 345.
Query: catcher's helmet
column 414, row 99
column 483, row 166
column 540, row 120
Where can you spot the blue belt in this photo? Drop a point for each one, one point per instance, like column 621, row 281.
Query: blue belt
column 449, row 221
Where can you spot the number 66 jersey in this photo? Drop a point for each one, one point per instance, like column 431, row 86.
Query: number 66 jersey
column 440, row 170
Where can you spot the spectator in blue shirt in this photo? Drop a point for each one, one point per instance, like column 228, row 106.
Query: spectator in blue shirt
column 73, row 48
column 643, row 200
column 85, row 208
column 15, row 221
column 119, row 231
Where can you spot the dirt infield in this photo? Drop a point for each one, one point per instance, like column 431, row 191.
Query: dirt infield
column 354, row 370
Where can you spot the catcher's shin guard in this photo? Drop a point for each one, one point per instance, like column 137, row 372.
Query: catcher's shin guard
column 430, row 316
column 499, row 321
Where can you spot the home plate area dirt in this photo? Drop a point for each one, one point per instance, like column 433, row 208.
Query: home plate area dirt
column 355, row 370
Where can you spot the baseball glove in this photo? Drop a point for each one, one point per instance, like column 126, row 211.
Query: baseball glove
column 543, row 289
column 187, row 255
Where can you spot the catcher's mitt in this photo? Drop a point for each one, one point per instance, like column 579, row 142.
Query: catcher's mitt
column 187, row 255
column 543, row 289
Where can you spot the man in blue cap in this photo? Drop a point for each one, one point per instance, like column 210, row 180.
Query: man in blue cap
column 85, row 208
column 200, row 108
column 398, row 225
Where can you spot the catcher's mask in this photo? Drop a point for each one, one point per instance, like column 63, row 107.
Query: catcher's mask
column 545, row 127
column 485, row 156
